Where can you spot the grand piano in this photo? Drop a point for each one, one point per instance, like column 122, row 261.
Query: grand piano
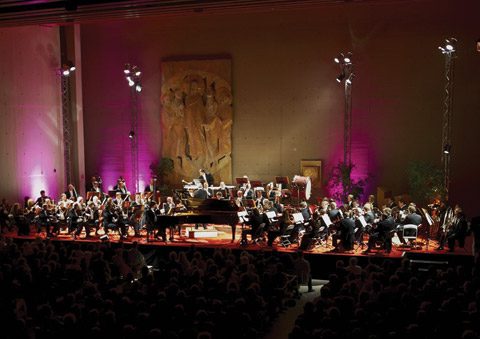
column 203, row 211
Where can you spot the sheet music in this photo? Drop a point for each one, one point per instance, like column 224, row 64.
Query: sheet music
column 271, row 214
column 298, row 217
column 362, row 221
column 326, row 219
column 429, row 218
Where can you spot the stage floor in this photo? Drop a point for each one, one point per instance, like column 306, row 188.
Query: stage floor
column 224, row 240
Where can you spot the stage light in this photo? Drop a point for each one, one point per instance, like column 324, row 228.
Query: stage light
column 130, row 82
column 136, row 71
column 447, row 149
column 138, row 87
column 341, row 77
column 72, row 68
column 449, row 46
column 340, row 57
column 127, row 69
column 131, row 134
column 66, row 72
column 348, row 58
column 350, row 78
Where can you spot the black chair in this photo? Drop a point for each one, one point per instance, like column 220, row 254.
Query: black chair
column 285, row 240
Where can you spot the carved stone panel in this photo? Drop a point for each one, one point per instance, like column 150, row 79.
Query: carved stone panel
column 197, row 117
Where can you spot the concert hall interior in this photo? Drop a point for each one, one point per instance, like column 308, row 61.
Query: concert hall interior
column 257, row 82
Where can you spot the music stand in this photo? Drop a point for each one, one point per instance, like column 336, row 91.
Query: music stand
column 282, row 181
column 256, row 183
column 241, row 181
column 111, row 193
column 249, row 203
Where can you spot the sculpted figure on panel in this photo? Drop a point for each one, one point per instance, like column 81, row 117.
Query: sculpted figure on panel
column 197, row 118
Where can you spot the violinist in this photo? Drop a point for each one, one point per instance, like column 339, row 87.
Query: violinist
column 259, row 200
column 75, row 220
column 41, row 199
column 371, row 200
column 248, row 194
column 43, row 220
column 92, row 215
column 121, row 186
column 239, row 198
column 71, row 193
column 118, row 201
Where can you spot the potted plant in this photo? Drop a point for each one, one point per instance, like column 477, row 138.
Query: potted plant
column 340, row 182
column 426, row 182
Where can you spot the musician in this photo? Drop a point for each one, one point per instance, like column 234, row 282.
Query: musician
column 201, row 193
column 208, row 190
column 457, row 231
column 75, row 220
column 259, row 200
column 390, row 203
column 121, row 186
column 219, row 196
column 96, row 187
column 91, row 215
column 248, row 194
column 239, row 199
column 255, row 221
column 411, row 219
column 226, row 189
column 41, row 199
column 150, row 187
column 305, row 211
column 371, row 200
column 138, row 202
column 207, row 177
column 383, row 232
column 43, row 220
column 350, row 201
column 345, row 233
column 169, row 206
column 271, row 193
column 334, row 213
column 279, row 229
column 71, row 193
column 118, row 201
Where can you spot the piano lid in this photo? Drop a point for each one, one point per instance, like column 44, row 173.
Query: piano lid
column 211, row 204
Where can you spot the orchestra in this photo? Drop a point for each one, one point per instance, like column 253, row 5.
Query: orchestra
column 344, row 227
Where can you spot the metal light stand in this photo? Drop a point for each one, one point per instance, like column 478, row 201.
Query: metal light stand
column 133, row 77
column 346, row 66
column 450, row 56
column 64, row 74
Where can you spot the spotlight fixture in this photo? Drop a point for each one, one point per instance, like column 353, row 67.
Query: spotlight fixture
column 449, row 46
column 136, row 71
column 131, row 134
column 447, row 149
column 340, row 57
column 350, row 78
column 127, row 69
column 138, row 86
column 348, row 58
column 67, row 69
column 341, row 77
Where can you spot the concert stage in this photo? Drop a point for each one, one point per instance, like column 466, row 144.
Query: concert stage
column 322, row 258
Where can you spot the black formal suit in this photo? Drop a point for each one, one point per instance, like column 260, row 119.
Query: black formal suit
column 458, row 231
column 345, row 234
column 383, row 233
column 248, row 194
column 148, row 188
column 168, row 208
column 71, row 194
column 306, row 214
column 208, row 178
column 410, row 219
column 334, row 214
column 200, row 193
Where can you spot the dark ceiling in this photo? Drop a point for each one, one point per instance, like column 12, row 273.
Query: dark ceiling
column 55, row 12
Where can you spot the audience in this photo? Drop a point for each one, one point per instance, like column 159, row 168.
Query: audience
column 394, row 301
column 63, row 290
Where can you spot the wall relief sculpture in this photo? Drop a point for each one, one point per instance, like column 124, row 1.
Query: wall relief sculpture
column 197, row 118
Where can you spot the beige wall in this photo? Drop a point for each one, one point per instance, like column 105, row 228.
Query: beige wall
column 287, row 105
column 31, row 153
